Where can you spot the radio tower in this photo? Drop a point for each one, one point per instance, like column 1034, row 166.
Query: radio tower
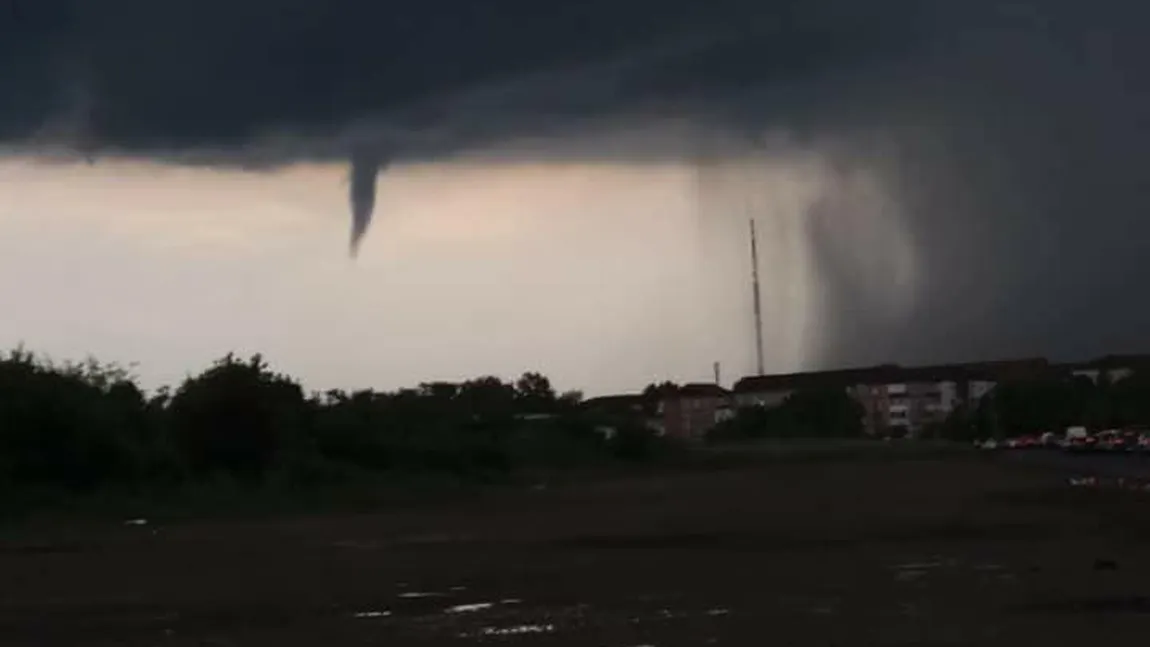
column 757, row 301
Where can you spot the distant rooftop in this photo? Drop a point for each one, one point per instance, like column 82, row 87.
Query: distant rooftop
column 893, row 374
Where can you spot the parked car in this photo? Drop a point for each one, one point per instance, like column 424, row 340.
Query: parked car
column 1111, row 440
column 1078, row 439
column 1029, row 442
column 1117, row 440
column 1142, row 442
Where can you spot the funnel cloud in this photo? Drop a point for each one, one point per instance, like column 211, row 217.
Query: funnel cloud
column 365, row 167
column 939, row 179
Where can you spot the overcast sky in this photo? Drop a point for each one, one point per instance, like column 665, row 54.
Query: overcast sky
column 567, row 188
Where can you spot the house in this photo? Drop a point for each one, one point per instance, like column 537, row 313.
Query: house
column 692, row 410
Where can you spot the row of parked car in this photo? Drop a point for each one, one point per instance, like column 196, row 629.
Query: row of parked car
column 1078, row 439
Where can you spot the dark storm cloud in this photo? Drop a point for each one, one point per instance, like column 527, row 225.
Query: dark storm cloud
column 215, row 74
column 1014, row 133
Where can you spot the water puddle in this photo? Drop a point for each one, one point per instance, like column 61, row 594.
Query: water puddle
column 916, row 572
column 517, row 630
column 920, row 566
column 420, row 595
column 508, row 618
column 1110, row 483
column 469, row 608
column 362, row 615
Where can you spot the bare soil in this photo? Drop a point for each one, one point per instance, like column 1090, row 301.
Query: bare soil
column 938, row 551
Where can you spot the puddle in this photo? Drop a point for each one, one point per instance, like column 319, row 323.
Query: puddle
column 1110, row 483
column 418, row 595
column 914, row 571
column 371, row 614
column 919, row 566
column 510, row 618
column 517, row 630
column 469, row 608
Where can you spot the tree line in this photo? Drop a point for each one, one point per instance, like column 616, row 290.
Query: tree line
column 1053, row 403
column 1017, row 407
column 83, row 426
column 806, row 413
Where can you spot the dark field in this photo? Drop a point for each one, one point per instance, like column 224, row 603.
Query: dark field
column 923, row 551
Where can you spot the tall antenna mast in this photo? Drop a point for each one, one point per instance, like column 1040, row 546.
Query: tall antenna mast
column 757, row 301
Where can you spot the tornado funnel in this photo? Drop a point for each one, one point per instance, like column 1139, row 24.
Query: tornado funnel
column 365, row 166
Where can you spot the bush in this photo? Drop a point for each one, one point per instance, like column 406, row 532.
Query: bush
column 825, row 413
column 88, row 427
column 237, row 417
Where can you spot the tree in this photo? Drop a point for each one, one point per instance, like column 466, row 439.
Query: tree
column 821, row 413
column 237, row 417
column 87, row 425
column 534, row 394
column 748, row 423
column 813, row 413
column 1130, row 400
column 570, row 400
column 655, row 393
column 78, row 426
column 488, row 399
column 1037, row 406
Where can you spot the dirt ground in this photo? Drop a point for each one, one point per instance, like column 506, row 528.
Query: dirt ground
column 940, row 551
